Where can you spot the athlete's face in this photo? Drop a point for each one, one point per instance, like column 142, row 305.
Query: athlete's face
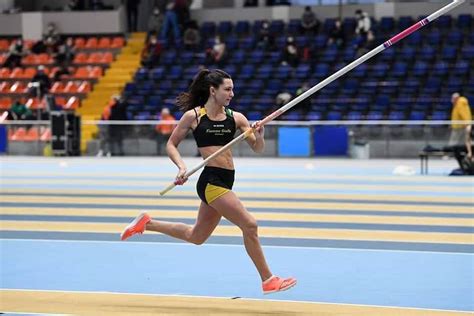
column 224, row 93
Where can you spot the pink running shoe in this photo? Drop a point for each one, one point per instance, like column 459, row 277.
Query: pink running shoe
column 277, row 284
column 137, row 226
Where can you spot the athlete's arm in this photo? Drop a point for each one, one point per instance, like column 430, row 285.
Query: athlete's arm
column 255, row 140
column 178, row 134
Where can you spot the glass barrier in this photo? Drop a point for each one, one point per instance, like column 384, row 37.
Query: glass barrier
column 356, row 139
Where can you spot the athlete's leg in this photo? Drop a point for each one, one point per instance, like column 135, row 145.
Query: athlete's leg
column 206, row 222
column 229, row 206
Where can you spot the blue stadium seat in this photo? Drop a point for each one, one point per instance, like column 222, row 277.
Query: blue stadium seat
column 396, row 116
column 454, row 37
column 242, row 28
column 374, row 116
column 400, row 69
column 440, row 116
column 449, row 53
column 417, row 116
column 224, row 27
column 354, row 116
column 334, row 116
column 440, row 68
column 461, row 67
column 387, row 23
column 420, row 68
column 464, row 21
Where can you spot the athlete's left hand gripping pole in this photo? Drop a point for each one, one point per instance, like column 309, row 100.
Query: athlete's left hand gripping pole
column 327, row 81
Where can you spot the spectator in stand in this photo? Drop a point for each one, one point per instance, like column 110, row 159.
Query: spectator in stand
column 216, row 54
column 155, row 22
column 171, row 21
column 118, row 112
column 163, row 131
column 40, row 84
column 132, row 14
column 336, row 35
column 71, row 6
column 66, row 52
column 19, row 111
column 266, row 40
column 290, row 53
column 151, row 53
column 182, row 11
column 283, row 98
column 365, row 46
column 363, row 24
column 191, row 37
column 51, row 38
column 16, row 52
column 309, row 22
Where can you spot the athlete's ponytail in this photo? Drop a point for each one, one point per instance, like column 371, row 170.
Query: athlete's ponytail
column 198, row 92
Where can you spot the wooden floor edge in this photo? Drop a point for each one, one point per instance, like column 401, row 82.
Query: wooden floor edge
column 105, row 303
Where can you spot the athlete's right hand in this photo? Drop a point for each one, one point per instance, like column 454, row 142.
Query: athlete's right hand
column 181, row 177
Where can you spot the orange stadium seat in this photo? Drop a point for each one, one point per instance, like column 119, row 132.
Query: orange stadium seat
column 72, row 104
column 4, row 73
column 5, row 103
column 82, row 72
column 16, row 73
column 44, row 59
column 32, row 135
column 58, row 87
column 96, row 72
column 81, row 58
column 19, row 134
column 45, row 134
column 70, row 87
column 95, row 58
column 60, row 101
column 118, row 42
column 29, row 60
column 104, row 42
column 107, row 58
column 79, row 43
column 92, row 43
column 4, row 87
column 34, row 104
column 4, row 44
column 29, row 73
column 29, row 43
column 84, row 87
column 3, row 58
column 18, row 87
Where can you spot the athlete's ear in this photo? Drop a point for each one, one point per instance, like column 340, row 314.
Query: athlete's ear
column 213, row 91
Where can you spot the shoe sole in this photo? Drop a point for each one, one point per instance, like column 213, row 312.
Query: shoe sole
column 133, row 223
column 281, row 290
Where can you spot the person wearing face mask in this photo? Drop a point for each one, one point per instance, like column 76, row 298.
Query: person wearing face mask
column 290, row 53
column 151, row 53
column 266, row 40
column 208, row 116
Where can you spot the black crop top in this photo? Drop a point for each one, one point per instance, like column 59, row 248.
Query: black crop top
column 214, row 133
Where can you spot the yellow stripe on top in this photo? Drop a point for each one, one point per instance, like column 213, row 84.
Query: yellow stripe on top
column 213, row 192
column 202, row 112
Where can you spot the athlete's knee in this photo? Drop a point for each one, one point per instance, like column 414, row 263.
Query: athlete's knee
column 197, row 239
column 250, row 227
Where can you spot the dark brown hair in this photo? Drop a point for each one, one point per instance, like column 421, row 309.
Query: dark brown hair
column 198, row 91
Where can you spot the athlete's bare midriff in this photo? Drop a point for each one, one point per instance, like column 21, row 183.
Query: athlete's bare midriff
column 223, row 160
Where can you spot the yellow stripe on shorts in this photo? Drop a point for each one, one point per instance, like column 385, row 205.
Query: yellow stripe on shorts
column 212, row 192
